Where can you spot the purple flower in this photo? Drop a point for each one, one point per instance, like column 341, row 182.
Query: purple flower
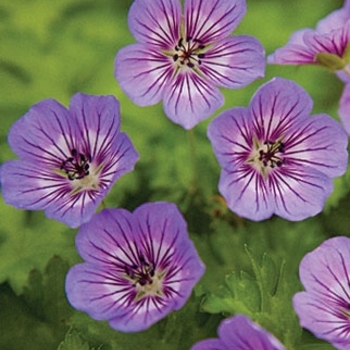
column 324, row 308
column 344, row 108
column 139, row 266
column 240, row 333
column 69, row 159
column 328, row 45
column 182, row 59
column 275, row 157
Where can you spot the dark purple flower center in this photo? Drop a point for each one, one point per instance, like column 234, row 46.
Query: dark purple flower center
column 145, row 278
column 270, row 154
column 189, row 52
column 77, row 166
column 142, row 274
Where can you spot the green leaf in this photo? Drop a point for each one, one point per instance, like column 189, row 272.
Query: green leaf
column 36, row 319
column 265, row 298
column 27, row 241
column 45, row 292
column 73, row 341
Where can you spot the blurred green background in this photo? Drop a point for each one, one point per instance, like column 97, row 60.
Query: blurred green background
column 53, row 49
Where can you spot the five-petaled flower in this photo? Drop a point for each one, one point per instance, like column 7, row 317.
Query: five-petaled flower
column 182, row 59
column 240, row 333
column 324, row 308
column 275, row 158
column 69, row 159
column 139, row 266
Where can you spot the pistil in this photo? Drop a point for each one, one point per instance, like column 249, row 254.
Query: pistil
column 189, row 52
column 77, row 166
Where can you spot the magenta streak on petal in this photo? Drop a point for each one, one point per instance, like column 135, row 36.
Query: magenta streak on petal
column 216, row 55
column 41, row 156
column 296, row 137
column 164, row 35
column 321, row 46
column 198, row 84
column 298, row 177
column 166, row 71
column 195, row 31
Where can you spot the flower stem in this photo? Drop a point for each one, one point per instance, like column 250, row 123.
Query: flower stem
column 193, row 160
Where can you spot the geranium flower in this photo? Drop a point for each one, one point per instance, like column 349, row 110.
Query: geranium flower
column 240, row 333
column 275, row 158
column 327, row 45
column 344, row 108
column 69, row 159
column 324, row 308
column 139, row 266
column 182, row 59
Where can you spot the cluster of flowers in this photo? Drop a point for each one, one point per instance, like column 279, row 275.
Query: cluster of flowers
column 275, row 159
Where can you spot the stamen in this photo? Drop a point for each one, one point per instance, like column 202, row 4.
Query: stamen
column 77, row 166
column 188, row 52
column 270, row 154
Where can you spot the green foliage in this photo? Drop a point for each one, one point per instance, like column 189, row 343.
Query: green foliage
column 27, row 241
column 37, row 318
column 73, row 341
column 265, row 297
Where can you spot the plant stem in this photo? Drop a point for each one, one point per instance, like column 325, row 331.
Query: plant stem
column 193, row 160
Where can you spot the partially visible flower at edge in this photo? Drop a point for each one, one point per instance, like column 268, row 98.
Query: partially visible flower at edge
column 182, row 59
column 344, row 108
column 139, row 266
column 69, row 159
column 328, row 45
column 275, row 158
column 324, row 307
column 240, row 333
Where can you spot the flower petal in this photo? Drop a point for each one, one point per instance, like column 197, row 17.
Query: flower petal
column 319, row 142
column 231, row 137
column 334, row 42
column 143, row 73
column 295, row 51
column 326, row 270
column 25, row 185
column 98, row 120
column 335, row 20
column 239, row 332
column 190, row 99
column 44, row 135
column 344, row 108
column 299, row 192
column 324, row 307
column 156, row 22
column 209, row 344
column 276, row 106
column 246, row 193
column 29, row 187
column 234, row 62
column 320, row 318
column 115, row 232
column 209, row 21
